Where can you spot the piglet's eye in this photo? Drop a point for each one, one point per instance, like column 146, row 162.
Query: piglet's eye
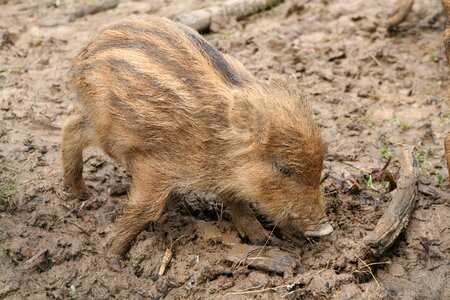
column 284, row 170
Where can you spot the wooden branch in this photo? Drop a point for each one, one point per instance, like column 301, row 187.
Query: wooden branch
column 201, row 19
column 91, row 9
column 396, row 216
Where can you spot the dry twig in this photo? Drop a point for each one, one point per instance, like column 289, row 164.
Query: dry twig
column 367, row 265
column 167, row 257
column 251, row 259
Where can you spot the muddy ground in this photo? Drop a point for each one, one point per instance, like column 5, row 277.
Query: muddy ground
column 371, row 93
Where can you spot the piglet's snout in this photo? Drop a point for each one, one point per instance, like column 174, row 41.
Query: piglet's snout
column 323, row 229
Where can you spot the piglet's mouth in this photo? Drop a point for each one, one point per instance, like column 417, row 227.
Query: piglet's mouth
column 323, row 230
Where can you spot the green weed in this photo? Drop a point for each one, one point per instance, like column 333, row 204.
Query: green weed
column 73, row 292
column 401, row 124
column 384, row 151
column 439, row 177
column 420, row 157
column 8, row 186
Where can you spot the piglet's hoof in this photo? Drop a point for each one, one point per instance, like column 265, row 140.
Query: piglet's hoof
column 250, row 229
column 112, row 260
column 114, row 264
column 80, row 195
column 246, row 223
column 257, row 237
column 85, row 195
column 264, row 238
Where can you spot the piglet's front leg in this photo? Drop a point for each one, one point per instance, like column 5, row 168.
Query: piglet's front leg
column 246, row 223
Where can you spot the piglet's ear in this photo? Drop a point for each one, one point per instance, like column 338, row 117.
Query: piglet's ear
column 247, row 119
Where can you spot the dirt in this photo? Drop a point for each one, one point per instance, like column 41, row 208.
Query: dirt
column 371, row 92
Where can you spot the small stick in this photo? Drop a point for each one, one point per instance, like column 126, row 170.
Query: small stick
column 165, row 261
column 375, row 60
column 273, row 288
column 374, row 264
column 386, row 164
column 251, row 259
column 248, row 291
column 79, row 227
column 369, row 268
column 33, row 258
column 167, row 257
column 265, row 244
column 379, row 263
column 74, row 224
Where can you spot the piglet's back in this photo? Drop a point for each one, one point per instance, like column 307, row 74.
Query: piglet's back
column 161, row 49
column 159, row 77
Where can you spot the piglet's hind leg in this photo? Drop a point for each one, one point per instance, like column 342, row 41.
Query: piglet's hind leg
column 75, row 138
column 148, row 196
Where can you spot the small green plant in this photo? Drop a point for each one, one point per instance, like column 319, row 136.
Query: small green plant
column 6, row 252
column 325, row 9
column 430, row 152
column 384, row 151
column 8, row 186
column 226, row 37
column 2, row 227
column 73, row 292
column 8, row 189
column 370, row 123
column 420, row 157
column 368, row 182
column 439, row 177
column 377, row 186
column 434, row 57
column 401, row 124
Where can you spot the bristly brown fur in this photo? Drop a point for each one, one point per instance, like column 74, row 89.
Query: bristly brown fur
column 179, row 114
